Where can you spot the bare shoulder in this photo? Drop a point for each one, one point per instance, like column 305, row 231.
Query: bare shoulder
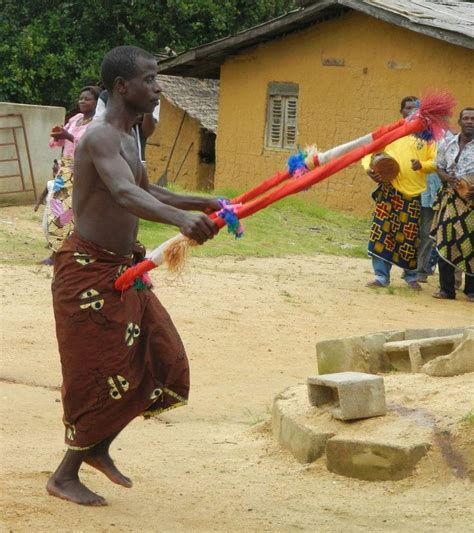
column 101, row 135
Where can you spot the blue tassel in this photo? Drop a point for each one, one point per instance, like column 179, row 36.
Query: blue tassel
column 296, row 163
column 230, row 218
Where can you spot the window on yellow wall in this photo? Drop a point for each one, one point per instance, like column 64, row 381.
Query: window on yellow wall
column 282, row 116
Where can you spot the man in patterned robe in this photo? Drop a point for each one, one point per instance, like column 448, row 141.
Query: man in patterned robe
column 121, row 355
column 453, row 225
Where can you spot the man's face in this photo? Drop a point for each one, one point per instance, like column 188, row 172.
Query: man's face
column 467, row 124
column 143, row 91
column 408, row 108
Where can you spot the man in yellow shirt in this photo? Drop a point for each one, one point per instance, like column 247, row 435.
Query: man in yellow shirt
column 394, row 235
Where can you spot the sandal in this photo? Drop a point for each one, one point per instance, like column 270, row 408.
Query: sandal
column 441, row 295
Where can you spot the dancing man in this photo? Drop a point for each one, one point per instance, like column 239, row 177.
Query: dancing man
column 121, row 355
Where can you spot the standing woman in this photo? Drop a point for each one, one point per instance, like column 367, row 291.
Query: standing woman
column 60, row 222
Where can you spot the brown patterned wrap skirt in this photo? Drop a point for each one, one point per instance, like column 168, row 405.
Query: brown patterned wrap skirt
column 121, row 355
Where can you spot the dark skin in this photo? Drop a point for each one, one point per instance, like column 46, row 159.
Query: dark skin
column 415, row 163
column 111, row 193
column 466, row 122
column 112, row 190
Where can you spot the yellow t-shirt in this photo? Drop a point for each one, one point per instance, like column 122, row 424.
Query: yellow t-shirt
column 410, row 182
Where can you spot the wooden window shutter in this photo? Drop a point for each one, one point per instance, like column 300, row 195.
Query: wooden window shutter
column 276, row 120
column 289, row 138
column 282, row 115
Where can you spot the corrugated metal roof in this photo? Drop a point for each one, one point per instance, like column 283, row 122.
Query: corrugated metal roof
column 448, row 20
column 198, row 97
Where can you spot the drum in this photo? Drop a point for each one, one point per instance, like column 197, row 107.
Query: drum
column 385, row 165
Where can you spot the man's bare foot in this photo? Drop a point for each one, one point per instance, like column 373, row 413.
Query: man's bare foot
column 74, row 491
column 105, row 464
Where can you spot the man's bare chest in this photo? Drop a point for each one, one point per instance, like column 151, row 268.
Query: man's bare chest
column 129, row 151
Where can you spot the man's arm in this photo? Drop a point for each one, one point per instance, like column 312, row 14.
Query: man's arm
column 103, row 147
column 441, row 164
column 187, row 202
column 184, row 201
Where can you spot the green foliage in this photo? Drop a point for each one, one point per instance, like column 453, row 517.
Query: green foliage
column 48, row 51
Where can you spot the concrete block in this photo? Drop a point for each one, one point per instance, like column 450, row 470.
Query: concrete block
column 372, row 461
column 348, row 395
column 305, row 444
column 411, row 355
column 427, row 333
column 357, row 354
column 459, row 361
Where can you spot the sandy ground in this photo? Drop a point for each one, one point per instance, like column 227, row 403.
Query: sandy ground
column 250, row 328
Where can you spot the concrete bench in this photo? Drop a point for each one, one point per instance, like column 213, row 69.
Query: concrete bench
column 411, row 355
column 348, row 395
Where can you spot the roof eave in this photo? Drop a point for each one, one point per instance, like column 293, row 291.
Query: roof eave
column 458, row 39
column 215, row 53
column 205, row 60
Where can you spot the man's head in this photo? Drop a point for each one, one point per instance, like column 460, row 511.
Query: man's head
column 131, row 72
column 407, row 105
column 466, row 121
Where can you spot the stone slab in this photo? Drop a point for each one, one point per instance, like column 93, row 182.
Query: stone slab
column 459, row 361
column 410, row 355
column 348, row 395
column 359, row 354
column 365, row 353
column 304, row 443
column 372, row 461
column 411, row 334
column 305, row 430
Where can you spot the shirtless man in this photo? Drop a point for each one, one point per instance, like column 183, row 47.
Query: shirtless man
column 121, row 355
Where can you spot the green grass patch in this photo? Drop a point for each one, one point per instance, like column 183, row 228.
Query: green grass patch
column 293, row 226
column 22, row 241
column 290, row 227
column 468, row 418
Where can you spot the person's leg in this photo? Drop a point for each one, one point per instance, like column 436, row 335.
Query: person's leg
column 411, row 277
column 65, row 484
column 382, row 272
column 469, row 287
column 446, row 280
column 426, row 244
column 99, row 458
column 434, row 258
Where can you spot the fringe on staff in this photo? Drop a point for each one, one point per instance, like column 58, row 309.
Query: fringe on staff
column 173, row 253
column 177, row 253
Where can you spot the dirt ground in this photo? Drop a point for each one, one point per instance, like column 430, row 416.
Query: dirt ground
column 250, row 328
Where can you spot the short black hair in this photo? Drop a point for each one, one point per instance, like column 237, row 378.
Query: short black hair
column 121, row 62
column 408, row 99
column 93, row 89
column 465, row 109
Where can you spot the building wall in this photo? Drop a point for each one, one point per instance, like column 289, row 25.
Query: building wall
column 382, row 64
column 38, row 123
column 160, row 143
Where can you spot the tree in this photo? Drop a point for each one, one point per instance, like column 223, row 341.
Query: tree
column 48, row 51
